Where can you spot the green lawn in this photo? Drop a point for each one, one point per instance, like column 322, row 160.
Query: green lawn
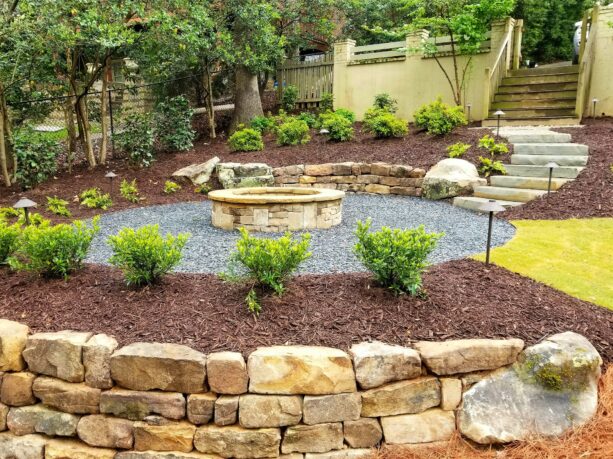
column 575, row 256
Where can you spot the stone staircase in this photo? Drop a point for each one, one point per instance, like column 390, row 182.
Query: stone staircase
column 527, row 176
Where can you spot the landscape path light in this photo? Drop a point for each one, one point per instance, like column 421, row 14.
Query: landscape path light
column 498, row 114
column 551, row 167
column 468, row 108
column 26, row 205
column 490, row 207
column 594, row 102
column 111, row 175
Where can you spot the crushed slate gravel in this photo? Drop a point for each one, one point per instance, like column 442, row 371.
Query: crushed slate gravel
column 208, row 248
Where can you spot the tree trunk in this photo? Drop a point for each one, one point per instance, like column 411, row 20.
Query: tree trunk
column 247, row 102
column 84, row 128
column 70, row 129
column 3, row 156
column 210, row 108
column 104, row 123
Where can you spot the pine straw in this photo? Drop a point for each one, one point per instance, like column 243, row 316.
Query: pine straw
column 592, row 441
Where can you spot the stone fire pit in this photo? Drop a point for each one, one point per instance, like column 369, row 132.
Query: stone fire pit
column 269, row 209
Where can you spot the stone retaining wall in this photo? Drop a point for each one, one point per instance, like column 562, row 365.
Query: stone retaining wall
column 77, row 395
column 379, row 178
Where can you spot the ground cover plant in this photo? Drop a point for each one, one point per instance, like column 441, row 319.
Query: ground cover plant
column 93, row 198
column 457, row 150
column 489, row 166
column 171, row 187
column 246, row 139
column 129, row 191
column 439, row 118
column 58, row 206
column 494, row 148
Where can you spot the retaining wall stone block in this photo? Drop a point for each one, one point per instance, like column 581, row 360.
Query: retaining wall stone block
column 13, row 338
column 72, row 449
column 74, row 398
column 164, row 435
column 363, row 433
column 40, row 419
column 136, row 405
column 411, row 396
column 97, row 361
column 106, row 431
column 429, row 426
column 17, row 389
column 318, row 438
column 22, row 447
column 236, row 442
column 227, row 373
column 332, row 408
column 226, row 410
column 258, row 411
column 201, row 408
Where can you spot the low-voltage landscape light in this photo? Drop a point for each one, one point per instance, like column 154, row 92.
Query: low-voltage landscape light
column 551, row 167
column 26, row 205
column 111, row 175
column 492, row 206
column 498, row 114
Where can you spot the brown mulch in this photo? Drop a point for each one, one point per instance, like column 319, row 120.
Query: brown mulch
column 464, row 300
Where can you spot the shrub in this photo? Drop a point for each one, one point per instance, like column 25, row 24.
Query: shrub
column 489, row 143
column 58, row 206
column 339, row 128
column 266, row 263
column 8, row 213
column 457, row 150
column 348, row 114
column 35, row 219
column 439, row 118
column 262, row 124
column 246, row 139
column 205, row 188
column 289, row 98
column 488, row 166
column 309, row 118
column 294, row 132
column 93, row 198
column 36, row 157
column 385, row 102
column 171, row 187
column 326, row 104
column 136, row 139
column 173, row 124
column 144, row 255
column 129, row 191
column 54, row 250
column 384, row 124
column 8, row 240
column 397, row 258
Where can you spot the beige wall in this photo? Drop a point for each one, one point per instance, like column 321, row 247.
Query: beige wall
column 601, row 85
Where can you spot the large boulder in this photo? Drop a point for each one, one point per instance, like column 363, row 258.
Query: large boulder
column 236, row 175
column 451, row 177
column 550, row 389
column 197, row 174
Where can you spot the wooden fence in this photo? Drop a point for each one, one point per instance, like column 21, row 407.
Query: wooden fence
column 313, row 78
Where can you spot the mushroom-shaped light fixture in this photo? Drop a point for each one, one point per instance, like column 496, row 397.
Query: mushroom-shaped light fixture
column 111, row 175
column 25, row 204
column 552, row 165
column 492, row 206
column 498, row 115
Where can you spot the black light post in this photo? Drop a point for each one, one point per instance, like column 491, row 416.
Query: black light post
column 111, row 175
column 25, row 204
column 551, row 167
column 490, row 206
column 498, row 114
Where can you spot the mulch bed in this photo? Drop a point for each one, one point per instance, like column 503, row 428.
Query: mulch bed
column 465, row 300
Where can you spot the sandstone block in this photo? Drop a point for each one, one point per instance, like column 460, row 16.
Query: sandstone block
column 226, row 410
column 377, row 189
column 404, row 191
column 412, row 396
column 57, row 354
column 417, row 173
column 312, row 439
column 382, row 169
column 451, row 393
column 106, row 431
column 318, row 169
column 22, row 447
column 342, row 454
column 197, row 174
column 168, row 367
column 257, row 411
column 367, row 179
column 72, row 449
column 429, row 426
column 362, row 433
column 288, row 170
column 400, row 171
column 227, row 373
column 40, row 419
column 307, row 179
column 200, row 408
column 300, row 370
column 167, row 436
column 4, row 411
column 97, row 361
column 342, row 168
column 163, row 455
column 13, row 337
column 17, row 389
column 466, row 355
column 136, row 405
column 378, row 363
column 234, row 441
column 332, row 408
column 68, row 397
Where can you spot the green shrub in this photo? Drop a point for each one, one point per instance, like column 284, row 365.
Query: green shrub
column 397, row 258
column 93, row 198
column 326, row 104
column 53, row 250
column 205, row 189
column 173, row 124
column 385, row 102
column 129, row 190
column 35, row 219
column 136, row 139
column 294, row 132
column 339, row 128
column 58, row 206
column 289, row 98
column 489, row 143
column 262, row 124
column 384, row 124
column 8, row 240
column 144, row 255
column 457, row 150
column 171, row 187
column 36, row 157
column 9, row 213
column 348, row 114
column 439, row 118
column 309, row 118
column 246, row 139
column 266, row 263
column 488, row 166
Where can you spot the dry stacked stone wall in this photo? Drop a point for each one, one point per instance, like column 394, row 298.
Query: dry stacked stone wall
column 78, row 395
column 379, row 178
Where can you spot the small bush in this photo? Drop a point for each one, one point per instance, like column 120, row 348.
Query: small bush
column 8, row 213
column 309, row 118
column 246, row 139
column 326, row 104
column 397, row 258
column 262, row 124
column 457, row 150
column 35, row 219
column 53, row 250
column 93, row 198
column 438, row 118
column 384, row 124
column 173, row 124
column 205, row 189
column 144, row 255
column 136, row 139
column 171, row 187
column 266, row 263
column 294, row 132
column 58, row 206
column 385, row 102
column 8, row 240
column 289, row 98
column 488, row 143
column 488, row 166
column 348, row 114
column 36, row 157
column 129, row 190
column 339, row 128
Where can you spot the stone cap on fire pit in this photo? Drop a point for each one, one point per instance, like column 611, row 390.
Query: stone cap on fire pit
column 268, row 195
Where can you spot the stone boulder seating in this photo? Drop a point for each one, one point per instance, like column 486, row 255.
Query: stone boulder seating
column 197, row 174
column 449, row 178
column 236, row 175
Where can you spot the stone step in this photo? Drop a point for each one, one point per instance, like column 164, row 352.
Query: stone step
column 523, row 88
column 542, row 95
column 514, row 113
column 546, row 70
column 532, row 183
column 515, row 135
column 529, row 104
column 551, row 149
column 541, row 121
column 541, row 160
column 569, row 172
column 508, row 194
column 473, row 202
column 540, row 79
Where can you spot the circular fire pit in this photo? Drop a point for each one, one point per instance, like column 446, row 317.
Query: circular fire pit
column 276, row 209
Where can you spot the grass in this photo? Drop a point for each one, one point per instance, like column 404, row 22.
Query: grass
column 574, row 256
